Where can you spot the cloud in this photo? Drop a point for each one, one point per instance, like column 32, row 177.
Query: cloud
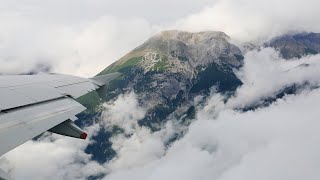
column 263, row 144
column 274, row 142
column 83, row 38
column 78, row 10
column 54, row 157
column 246, row 20
column 264, row 74
column 140, row 148
column 82, row 49
column 278, row 141
column 124, row 112
column 79, row 37
column 136, row 145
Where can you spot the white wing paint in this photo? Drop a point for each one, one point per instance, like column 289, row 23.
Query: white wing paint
column 33, row 104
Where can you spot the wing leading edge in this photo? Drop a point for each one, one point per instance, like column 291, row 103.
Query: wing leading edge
column 33, row 104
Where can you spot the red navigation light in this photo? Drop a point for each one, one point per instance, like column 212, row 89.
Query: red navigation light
column 83, row 135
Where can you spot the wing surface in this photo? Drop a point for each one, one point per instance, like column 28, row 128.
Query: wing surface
column 33, row 104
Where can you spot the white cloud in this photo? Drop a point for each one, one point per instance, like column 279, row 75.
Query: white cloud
column 278, row 142
column 275, row 142
column 140, row 148
column 137, row 145
column 248, row 20
column 79, row 37
column 124, row 112
column 264, row 74
column 275, row 134
column 78, row 10
column 221, row 144
column 82, row 38
column 82, row 49
column 54, row 157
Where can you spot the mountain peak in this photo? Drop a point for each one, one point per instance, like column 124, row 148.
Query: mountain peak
column 296, row 45
column 188, row 37
column 181, row 51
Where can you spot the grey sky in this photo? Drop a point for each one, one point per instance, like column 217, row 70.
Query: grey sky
column 73, row 11
column 82, row 37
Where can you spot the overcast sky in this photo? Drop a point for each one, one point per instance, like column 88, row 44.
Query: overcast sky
column 82, row 37
column 75, row 11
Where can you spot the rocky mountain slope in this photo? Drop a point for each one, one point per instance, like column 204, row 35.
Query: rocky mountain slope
column 296, row 46
column 171, row 68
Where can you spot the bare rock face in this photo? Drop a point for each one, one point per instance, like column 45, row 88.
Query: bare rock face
column 296, row 46
column 198, row 49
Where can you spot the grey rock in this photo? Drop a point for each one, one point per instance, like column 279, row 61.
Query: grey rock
column 297, row 45
column 171, row 68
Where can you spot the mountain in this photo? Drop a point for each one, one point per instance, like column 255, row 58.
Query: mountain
column 166, row 73
column 173, row 67
column 297, row 45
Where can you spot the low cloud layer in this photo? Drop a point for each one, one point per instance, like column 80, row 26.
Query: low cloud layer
column 274, row 142
column 278, row 142
column 265, row 74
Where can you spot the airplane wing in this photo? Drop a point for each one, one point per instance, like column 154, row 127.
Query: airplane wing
column 33, row 104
